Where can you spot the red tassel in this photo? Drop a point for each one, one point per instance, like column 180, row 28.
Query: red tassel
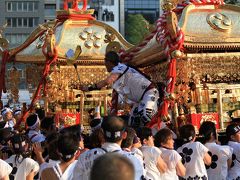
column 42, row 83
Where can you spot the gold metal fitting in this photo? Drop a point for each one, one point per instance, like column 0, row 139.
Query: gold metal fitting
column 176, row 54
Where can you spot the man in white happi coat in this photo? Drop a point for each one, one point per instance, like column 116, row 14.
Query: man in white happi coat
column 114, row 133
column 34, row 133
column 132, row 87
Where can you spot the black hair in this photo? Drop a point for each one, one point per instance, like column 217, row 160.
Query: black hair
column 187, row 132
column 125, row 117
column 96, row 139
column 95, row 122
column 129, row 139
column 118, row 168
column 230, row 130
column 72, row 130
column 41, row 113
column 112, row 125
column 162, row 136
column 47, row 123
column 112, row 57
column 52, row 141
column 207, row 129
column 2, row 124
column 5, row 135
column 144, row 133
column 31, row 120
column 18, row 142
column 67, row 146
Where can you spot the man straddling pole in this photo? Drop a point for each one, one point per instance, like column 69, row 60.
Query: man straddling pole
column 133, row 85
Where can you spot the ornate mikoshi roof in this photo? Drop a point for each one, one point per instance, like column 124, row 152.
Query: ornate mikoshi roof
column 211, row 27
column 91, row 35
column 206, row 28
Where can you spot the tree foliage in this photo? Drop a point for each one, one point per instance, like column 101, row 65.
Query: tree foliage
column 234, row 2
column 137, row 27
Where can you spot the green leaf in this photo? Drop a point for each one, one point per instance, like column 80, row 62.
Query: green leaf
column 137, row 27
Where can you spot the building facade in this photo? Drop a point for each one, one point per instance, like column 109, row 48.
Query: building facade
column 107, row 11
column 21, row 17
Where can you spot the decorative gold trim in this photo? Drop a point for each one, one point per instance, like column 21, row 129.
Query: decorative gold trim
column 84, row 62
column 219, row 22
column 183, row 20
column 202, row 46
column 200, row 42
column 106, row 27
column 210, row 55
column 213, row 67
column 32, row 37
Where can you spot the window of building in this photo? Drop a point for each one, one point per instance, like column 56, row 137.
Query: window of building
column 14, row 6
column 14, row 22
column 26, row 6
column 9, row 6
column 9, row 22
column 35, row 6
column 30, row 22
column 50, row 6
column 19, row 22
column 20, row 6
column 19, row 38
column 25, row 22
column 107, row 15
column 30, row 6
column 36, row 21
column 13, row 39
column 22, row 22
column 108, row 2
column 16, row 38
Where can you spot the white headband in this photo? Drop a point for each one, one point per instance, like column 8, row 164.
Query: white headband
column 17, row 112
column 188, row 139
column 6, row 110
column 35, row 124
column 115, row 134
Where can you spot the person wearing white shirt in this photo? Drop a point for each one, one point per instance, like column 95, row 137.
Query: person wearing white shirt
column 34, row 133
column 164, row 140
column 127, row 144
column 194, row 154
column 23, row 166
column 233, row 134
column 154, row 164
column 67, row 149
column 221, row 155
column 5, row 170
column 53, row 157
column 114, row 133
column 132, row 86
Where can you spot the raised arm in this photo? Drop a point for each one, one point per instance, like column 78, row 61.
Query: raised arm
column 109, row 80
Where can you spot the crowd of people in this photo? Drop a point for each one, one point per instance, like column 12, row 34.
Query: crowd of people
column 114, row 150
column 119, row 148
